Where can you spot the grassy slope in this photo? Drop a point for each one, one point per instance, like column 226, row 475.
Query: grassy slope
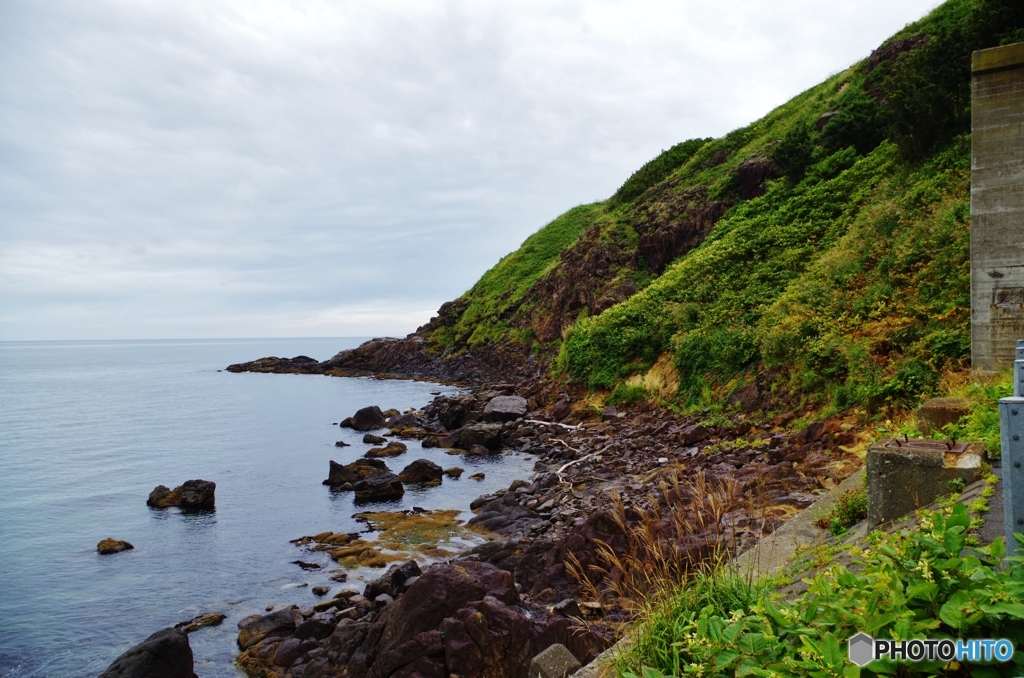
column 848, row 280
column 845, row 283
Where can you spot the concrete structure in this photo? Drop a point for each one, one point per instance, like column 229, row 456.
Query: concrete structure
column 997, row 206
column 554, row 662
column 938, row 412
column 905, row 475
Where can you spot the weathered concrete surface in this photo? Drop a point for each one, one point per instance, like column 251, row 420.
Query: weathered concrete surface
column 554, row 662
column 997, row 206
column 938, row 412
column 904, row 476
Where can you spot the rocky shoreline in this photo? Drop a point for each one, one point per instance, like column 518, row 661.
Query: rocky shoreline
column 598, row 475
column 546, row 570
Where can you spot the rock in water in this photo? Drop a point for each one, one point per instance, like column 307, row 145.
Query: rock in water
column 192, row 494
column 165, row 654
column 255, row 628
column 421, row 471
column 379, row 485
column 354, row 472
column 505, row 408
column 202, row 621
column 111, row 545
column 198, row 494
column 393, row 449
column 162, row 497
column 454, row 472
column 487, row 435
column 368, row 419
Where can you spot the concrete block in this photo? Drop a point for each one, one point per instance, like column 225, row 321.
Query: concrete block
column 904, row 475
column 938, row 412
column 554, row 662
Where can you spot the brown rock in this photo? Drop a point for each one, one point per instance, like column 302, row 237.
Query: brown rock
column 111, row 545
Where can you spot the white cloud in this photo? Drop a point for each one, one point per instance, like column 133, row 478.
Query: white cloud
column 188, row 161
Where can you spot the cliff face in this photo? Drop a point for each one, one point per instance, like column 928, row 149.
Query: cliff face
column 821, row 250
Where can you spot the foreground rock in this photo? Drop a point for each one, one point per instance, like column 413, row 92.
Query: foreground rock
column 190, row 495
column 422, row 471
column 111, row 545
column 462, row 619
column 165, row 654
column 378, row 486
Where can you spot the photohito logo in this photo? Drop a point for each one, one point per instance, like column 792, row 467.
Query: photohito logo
column 865, row 649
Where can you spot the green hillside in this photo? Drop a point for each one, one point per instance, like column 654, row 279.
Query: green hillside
column 820, row 251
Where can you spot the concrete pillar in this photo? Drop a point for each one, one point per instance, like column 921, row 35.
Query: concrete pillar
column 997, row 206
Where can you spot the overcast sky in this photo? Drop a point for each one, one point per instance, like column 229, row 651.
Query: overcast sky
column 215, row 168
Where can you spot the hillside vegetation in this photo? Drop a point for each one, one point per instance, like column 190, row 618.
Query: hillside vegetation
column 819, row 254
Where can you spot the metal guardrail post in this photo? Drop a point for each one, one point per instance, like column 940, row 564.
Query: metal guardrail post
column 1011, row 433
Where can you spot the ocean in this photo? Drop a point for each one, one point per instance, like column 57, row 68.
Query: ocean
column 88, row 429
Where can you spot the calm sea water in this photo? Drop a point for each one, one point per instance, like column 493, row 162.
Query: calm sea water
column 87, row 429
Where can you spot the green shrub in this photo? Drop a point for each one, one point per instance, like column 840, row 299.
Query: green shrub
column 625, row 395
column 925, row 582
column 849, row 509
column 653, row 171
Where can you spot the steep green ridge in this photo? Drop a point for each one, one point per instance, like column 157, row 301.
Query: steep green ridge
column 821, row 252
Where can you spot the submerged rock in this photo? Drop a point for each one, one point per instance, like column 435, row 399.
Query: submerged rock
column 111, row 545
column 393, row 449
column 165, row 654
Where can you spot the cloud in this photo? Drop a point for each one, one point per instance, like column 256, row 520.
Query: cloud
column 241, row 160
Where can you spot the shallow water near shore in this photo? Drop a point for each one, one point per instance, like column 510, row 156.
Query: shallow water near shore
column 88, row 429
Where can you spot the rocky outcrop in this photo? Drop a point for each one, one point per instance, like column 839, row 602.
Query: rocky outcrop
column 368, row 419
column 190, row 495
column 301, row 364
column 350, row 474
column 165, row 654
column 201, row 622
column 671, row 222
column 255, row 628
column 462, row 619
column 111, row 545
column 753, row 174
column 422, row 471
column 379, row 486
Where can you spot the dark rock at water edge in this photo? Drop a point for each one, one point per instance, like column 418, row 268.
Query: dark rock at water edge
column 192, row 494
column 349, row 474
column 368, row 419
column 421, row 471
column 392, row 449
column 301, row 364
column 379, row 485
column 165, row 654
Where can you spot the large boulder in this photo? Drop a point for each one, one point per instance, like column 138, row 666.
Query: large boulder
column 485, row 435
column 350, row 474
column 368, row 419
column 505, row 408
column 465, row 619
column 422, row 471
column 255, row 628
column 165, row 654
column 393, row 581
column 378, row 486
column 190, row 495
column 198, row 494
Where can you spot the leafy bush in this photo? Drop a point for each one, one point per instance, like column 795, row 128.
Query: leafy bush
column 849, row 509
column 921, row 583
column 653, row 171
column 795, row 151
column 625, row 395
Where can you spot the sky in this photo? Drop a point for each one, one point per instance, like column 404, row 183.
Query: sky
column 242, row 168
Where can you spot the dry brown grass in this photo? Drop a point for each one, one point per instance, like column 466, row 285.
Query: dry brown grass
column 689, row 522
